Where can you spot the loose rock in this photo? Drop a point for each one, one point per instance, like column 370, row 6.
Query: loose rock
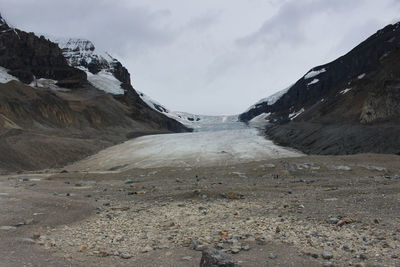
column 214, row 258
column 327, row 255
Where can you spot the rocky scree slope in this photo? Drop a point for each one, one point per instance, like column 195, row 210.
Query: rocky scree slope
column 351, row 105
column 50, row 115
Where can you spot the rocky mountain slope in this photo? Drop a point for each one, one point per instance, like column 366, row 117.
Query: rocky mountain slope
column 351, row 105
column 58, row 105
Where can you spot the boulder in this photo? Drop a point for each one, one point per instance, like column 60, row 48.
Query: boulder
column 212, row 257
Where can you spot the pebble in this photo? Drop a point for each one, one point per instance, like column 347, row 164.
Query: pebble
column 333, row 220
column 339, row 168
column 125, row 256
column 196, row 245
column 246, row 247
column 363, row 256
column 272, row 256
column 327, row 255
column 146, row 249
column 219, row 246
column 235, row 250
column 7, row 228
column 187, row 258
column 36, row 236
column 314, row 255
column 27, row 241
column 328, row 264
column 212, row 257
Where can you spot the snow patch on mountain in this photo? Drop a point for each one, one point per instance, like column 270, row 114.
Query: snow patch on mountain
column 361, row 76
column 105, row 80
column 345, row 91
column 293, row 115
column 314, row 73
column 313, row 82
column 272, row 99
column 48, row 83
column 5, row 77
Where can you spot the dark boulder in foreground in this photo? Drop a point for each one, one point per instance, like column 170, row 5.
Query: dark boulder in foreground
column 215, row 258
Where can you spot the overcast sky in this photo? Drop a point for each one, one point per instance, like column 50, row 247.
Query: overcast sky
column 210, row 56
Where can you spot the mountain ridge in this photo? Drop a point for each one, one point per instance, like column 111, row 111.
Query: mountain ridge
column 307, row 90
column 350, row 105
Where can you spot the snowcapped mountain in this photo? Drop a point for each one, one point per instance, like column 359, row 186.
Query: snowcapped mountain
column 324, row 83
column 103, row 71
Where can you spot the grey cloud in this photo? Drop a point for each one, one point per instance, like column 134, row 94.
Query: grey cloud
column 287, row 25
column 111, row 23
column 203, row 22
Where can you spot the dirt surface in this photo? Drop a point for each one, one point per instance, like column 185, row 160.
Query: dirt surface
column 306, row 211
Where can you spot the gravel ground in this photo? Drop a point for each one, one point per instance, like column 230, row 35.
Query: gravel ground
column 308, row 211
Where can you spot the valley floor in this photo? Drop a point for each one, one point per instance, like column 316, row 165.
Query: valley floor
column 276, row 212
column 267, row 206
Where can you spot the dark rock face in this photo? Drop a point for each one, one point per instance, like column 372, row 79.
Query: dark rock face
column 215, row 258
column 354, row 107
column 337, row 139
column 28, row 56
column 120, row 72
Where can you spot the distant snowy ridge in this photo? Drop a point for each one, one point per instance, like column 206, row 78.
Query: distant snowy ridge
column 196, row 122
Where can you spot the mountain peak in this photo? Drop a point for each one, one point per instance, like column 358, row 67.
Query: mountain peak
column 3, row 24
